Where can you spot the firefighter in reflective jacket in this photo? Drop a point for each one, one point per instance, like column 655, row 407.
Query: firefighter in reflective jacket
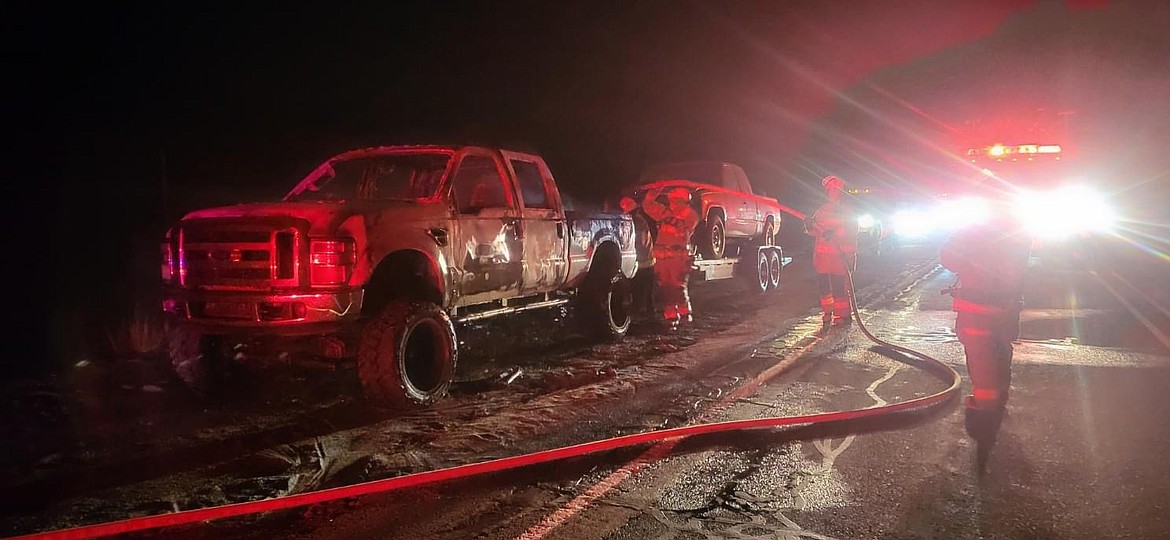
column 835, row 252
column 676, row 222
column 644, row 233
column 991, row 261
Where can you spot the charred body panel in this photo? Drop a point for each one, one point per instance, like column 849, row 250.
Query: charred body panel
column 590, row 233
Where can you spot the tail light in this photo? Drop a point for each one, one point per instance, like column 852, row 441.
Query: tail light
column 168, row 262
column 331, row 261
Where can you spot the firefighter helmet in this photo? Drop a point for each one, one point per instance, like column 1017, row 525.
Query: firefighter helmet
column 832, row 182
column 679, row 194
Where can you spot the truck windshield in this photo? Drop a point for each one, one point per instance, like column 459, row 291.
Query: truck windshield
column 395, row 176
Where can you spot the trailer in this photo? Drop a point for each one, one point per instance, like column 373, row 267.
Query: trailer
column 758, row 266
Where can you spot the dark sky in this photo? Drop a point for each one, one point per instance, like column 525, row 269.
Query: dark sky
column 242, row 101
column 134, row 114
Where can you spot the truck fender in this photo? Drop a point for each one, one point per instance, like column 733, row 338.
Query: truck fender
column 371, row 255
column 716, row 209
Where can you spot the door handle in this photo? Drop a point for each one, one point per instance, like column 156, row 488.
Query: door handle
column 561, row 230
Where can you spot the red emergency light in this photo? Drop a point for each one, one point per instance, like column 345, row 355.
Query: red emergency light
column 1000, row 151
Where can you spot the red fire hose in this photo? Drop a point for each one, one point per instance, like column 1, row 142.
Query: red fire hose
column 935, row 367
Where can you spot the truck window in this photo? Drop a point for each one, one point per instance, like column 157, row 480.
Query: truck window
column 478, row 185
column 398, row 176
column 532, row 187
column 741, row 181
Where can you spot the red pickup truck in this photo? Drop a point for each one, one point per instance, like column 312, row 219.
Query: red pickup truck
column 731, row 213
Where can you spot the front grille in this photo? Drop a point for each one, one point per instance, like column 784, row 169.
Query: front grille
column 228, row 254
column 210, row 274
column 218, row 256
column 226, row 236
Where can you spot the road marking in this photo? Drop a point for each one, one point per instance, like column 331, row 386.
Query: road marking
column 829, row 454
column 581, row 502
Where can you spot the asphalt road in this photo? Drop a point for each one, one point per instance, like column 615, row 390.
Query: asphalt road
column 1080, row 455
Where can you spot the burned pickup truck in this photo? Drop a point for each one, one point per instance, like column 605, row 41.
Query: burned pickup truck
column 382, row 251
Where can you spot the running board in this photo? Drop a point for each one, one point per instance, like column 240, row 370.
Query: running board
column 480, row 315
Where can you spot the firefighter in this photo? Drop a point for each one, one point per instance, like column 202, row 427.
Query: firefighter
column 991, row 261
column 835, row 252
column 644, row 234
column 676, row 221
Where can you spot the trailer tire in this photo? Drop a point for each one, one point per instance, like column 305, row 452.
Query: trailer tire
column 756, row 276
column 775, row 268
column 407, row 355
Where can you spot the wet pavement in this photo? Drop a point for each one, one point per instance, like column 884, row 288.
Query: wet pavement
column 1079, row 456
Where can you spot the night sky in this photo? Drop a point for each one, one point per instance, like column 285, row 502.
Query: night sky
column 134, row 115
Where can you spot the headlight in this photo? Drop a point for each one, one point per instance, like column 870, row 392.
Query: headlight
column 1064, row 212
column 963, row 212
column 911, row 224
column 866, row 221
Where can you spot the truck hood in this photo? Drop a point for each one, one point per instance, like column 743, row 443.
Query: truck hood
column 321, row 215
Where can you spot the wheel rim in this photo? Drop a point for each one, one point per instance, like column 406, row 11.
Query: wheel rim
column 424, row 343
column 763, row 272
column 619, row 303
column 716, row 239
column 774, row 270
column 769, row 233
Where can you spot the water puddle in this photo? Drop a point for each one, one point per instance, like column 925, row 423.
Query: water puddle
column 1096, row 328
column 913, row 334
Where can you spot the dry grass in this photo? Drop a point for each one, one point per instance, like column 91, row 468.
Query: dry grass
column 140, row 334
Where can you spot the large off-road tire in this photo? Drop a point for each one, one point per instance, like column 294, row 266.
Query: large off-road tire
column 196, row 358
column 712, row 238
column 606, row 305
column 407, row 354
column 775, row 268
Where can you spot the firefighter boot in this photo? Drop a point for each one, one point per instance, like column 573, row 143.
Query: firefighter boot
column 982, row 421
column 670, row 317
column 842, row 313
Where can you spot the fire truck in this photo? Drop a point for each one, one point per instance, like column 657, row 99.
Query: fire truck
column 1066, row 212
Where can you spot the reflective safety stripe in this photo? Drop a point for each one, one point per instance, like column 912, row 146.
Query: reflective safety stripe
column 985, row 394
column 959, row 304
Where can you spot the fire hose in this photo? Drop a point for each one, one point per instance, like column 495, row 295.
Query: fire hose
column 935, row 367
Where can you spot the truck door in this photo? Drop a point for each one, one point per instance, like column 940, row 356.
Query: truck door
column 749, row 220
column 487, row 249
column 545, row 248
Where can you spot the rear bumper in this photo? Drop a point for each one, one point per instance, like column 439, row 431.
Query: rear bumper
column 290, row 313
